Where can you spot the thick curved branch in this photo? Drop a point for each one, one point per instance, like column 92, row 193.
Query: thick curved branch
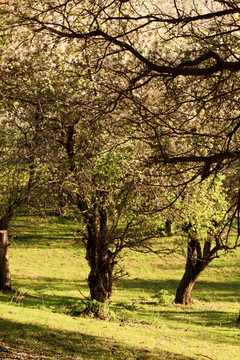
column 211, row 159
column 179, row 20
column 185, row 68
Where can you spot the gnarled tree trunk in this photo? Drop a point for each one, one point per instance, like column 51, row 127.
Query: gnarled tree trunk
column 99, row 256
column 5, row 278
column 100, row 279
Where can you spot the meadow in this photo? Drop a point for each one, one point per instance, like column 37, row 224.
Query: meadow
column 40, row 318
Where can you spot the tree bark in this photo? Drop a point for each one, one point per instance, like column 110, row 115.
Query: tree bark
column 168, row 227
column 183, row 294
column 5, row 277
column 100, row 260
column 238, row 319
column 100, row 279
column 4, row 221
column 196, row 263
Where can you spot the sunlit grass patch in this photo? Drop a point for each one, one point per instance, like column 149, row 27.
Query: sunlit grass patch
column 49, row 275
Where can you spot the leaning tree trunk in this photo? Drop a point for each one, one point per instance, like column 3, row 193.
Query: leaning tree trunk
column 5, row 219
column 196, row 263
column 183, row 294
column 5, row 278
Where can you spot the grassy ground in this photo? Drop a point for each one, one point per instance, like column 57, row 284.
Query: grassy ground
column 49, row 274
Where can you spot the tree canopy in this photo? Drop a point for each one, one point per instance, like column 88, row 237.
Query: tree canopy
column 186, row 51
column 126, row 108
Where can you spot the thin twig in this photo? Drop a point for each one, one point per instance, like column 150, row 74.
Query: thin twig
column 205, row 356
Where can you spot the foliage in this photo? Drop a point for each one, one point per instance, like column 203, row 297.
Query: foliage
column 204, row 206
column 92, row 309
column 164, row 297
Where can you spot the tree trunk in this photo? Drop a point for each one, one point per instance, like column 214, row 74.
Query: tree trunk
column 196, row 263
column 168, row 227
column 99, row 256
column 238, row 319
column 100, row 279
column 183, row 294
column 4, row 221
column 96, row 218
column 5, row 278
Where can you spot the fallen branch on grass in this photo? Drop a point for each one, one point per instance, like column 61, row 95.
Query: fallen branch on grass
column 205, row 356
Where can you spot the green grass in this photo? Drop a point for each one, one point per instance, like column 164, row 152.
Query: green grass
column 49, row 272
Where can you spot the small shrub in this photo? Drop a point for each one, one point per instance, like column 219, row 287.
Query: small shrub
column 91, row 308
column 164, row 297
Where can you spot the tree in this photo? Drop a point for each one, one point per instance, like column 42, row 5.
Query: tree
column 31, row 89
column 99, row 175
column 91, row 169
column 17, row 167
column 201, row 221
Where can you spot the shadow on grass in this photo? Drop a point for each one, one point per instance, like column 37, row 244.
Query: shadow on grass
column 40, row 295
column 43, row 241
column 43, row 342
column 65, row 304
column 46, row 292
column 212, row 291
column 151, row 285
column 42, row 283
column 208, row 291
column 42, row 232
column 210, row 318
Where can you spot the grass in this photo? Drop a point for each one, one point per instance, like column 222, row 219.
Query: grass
column 49, row 272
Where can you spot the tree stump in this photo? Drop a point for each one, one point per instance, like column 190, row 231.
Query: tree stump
column 5, row 277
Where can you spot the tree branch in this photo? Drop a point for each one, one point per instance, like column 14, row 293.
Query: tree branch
column 185, row 68
column 211, row 159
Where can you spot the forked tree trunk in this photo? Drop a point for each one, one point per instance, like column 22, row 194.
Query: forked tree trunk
column 100, row 279
column 5, row 278
column 196, row 263
column 100, row 258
